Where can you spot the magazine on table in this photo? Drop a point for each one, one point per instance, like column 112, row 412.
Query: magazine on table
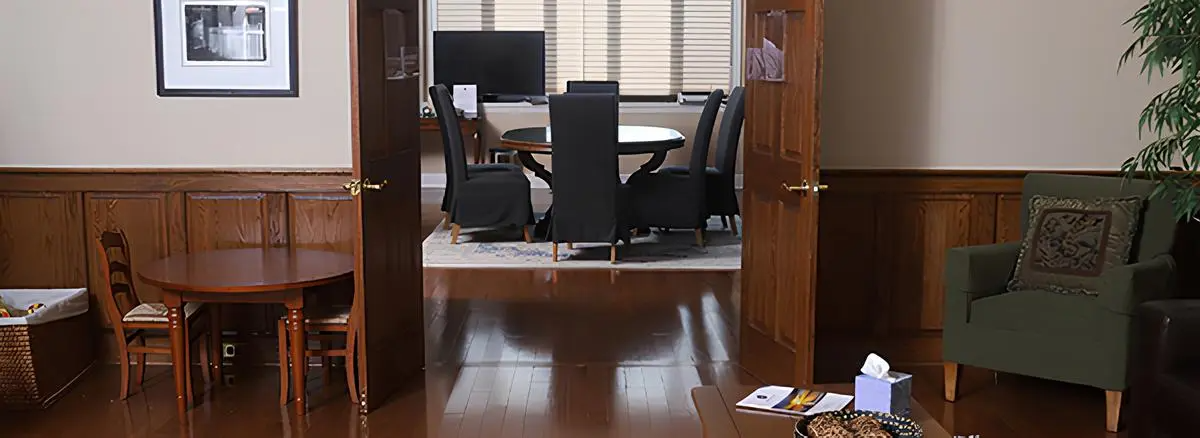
column 794, row 401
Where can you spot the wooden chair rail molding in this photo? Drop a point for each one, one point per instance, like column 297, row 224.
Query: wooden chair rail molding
column 883, row 236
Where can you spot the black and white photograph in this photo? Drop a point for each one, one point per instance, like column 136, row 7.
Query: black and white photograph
column 226, row 33
column 226, row 48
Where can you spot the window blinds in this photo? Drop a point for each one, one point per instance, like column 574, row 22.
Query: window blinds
column 653, row 47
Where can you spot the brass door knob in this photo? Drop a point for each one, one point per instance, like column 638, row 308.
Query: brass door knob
column 805, row 188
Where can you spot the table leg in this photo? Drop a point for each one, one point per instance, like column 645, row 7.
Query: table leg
column 542, row 228
column 299, row 362
column 215, row 349
column 651, row 165
column 179, row 342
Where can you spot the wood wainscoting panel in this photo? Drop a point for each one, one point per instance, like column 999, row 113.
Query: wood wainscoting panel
column 41, row 240
column 227, row 220
column 1008, row 217
column 321, row 221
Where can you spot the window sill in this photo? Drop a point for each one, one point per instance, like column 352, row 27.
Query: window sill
column 626, row 108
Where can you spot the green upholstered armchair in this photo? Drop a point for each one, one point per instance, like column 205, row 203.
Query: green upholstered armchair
column 1080, row 339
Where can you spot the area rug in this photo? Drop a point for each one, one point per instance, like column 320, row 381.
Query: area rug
column 503, row 248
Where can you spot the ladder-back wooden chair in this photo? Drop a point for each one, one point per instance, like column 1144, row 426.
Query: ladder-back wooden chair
column 326, row 324
column 134, row 321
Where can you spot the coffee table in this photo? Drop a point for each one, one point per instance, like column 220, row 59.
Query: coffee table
column 721, row 418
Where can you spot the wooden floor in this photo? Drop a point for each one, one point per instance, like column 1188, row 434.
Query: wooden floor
column 537, row 354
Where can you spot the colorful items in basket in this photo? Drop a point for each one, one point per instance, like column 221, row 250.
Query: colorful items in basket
column 7, row 311
column 857, row 424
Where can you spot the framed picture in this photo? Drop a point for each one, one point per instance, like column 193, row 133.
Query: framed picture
column 226, row 47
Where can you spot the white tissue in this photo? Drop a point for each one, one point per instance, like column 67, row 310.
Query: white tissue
column 878, row 368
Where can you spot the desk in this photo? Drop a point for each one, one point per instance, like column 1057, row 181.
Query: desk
column 720, row 417
column 252, row 275
column 469, row 127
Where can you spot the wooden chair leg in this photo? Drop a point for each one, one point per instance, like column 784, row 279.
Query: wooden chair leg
column 525, row 233
column 281, row 332
column 724, row 223
column 554, row 252
column 351, row 364
column 612, row 254
column 326, row 364
column 139, row 369
column 445, row 220
column 733, row 224
column 699, row 237
column 123, row 357
column 1112, row 410
column 951, row 380
column 454, row 229
column 570, row 245
column 187, row 361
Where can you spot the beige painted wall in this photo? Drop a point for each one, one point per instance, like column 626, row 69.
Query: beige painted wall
column 913, row 83
column 979, row 84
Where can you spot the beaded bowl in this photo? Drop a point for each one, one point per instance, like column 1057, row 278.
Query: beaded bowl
column 897, row 426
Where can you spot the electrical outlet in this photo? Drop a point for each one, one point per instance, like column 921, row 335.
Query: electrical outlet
column 228, row 350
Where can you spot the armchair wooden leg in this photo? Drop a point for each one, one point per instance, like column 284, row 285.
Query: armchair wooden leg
column 454, row 229
column 525, row 233
column 700, row 237
column 612, row 254
column 1112, row 410
column 951, row 378
column 281, row 332
column 554, row 252
column 733, row 224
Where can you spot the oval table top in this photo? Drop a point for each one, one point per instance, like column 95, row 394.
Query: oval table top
column 633, row 139
column 247, row 270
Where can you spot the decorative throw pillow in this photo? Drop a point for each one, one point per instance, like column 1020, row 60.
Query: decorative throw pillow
column 1071, row 242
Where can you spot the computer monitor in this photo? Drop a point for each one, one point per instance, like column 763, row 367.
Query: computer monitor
column 503, row 65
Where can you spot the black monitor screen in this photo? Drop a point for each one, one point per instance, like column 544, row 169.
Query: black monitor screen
column 497, row 62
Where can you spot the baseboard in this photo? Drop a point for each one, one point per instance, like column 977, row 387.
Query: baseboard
column 438, row 181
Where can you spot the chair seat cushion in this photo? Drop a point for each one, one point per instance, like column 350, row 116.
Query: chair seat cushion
column 1049, row 313
column 157, row 312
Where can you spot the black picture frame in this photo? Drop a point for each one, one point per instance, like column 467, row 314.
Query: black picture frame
column 293, row 63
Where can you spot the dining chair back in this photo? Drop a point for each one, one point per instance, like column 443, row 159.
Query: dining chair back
column 116, row 268
column 700, row 142
column 588, row 203
column 603, row 87
column 722, row 197
column 452, row 141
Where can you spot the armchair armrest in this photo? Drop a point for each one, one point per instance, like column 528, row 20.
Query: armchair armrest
column 981, row 270
column 1126, row 287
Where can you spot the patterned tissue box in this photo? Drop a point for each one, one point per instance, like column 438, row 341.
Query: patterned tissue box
column 893, row 397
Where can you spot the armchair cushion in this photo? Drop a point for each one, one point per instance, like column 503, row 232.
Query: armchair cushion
column 1125, row 287
column 1072, row 242
column 1045, row 312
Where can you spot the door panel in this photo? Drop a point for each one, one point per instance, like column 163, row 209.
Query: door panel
column 388, row 300
column 781, row 138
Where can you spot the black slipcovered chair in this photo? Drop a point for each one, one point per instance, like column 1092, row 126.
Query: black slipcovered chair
column 675, row 199
column 722, row 196
column 608, row 87
column 590, row 202
column 482, row 195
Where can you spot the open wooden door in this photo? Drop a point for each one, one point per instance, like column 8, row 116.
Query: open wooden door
column 779, row 265
column 384, row 97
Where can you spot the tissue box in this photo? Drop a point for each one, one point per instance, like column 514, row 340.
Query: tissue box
column 893, row 397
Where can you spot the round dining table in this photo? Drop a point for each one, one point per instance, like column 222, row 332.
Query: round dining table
column 250, row 275
column 631, row 140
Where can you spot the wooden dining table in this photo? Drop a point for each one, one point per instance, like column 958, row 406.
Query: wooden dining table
column 250, row 275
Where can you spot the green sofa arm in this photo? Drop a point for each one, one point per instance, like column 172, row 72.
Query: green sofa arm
column 1130, row 285
column 981, row 270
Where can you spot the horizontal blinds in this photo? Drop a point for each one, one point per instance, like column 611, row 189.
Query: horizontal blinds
column 653, row 47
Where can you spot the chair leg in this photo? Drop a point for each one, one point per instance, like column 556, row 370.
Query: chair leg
column 445, row 220
column 454, row 229
column 525, row 234
column 187, row 362
column 352, row 364
column 326, row 364
column 139, row 369
column 951, row 379
column 554, row 252
column 724, row 223
column 612, row 254
column 570, row 245
column 1112, row 410
column 733, row 224
column 123, row 356
column 281, row 332
column 699, row 237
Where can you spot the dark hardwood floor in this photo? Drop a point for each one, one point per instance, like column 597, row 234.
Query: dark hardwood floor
column 538, row 354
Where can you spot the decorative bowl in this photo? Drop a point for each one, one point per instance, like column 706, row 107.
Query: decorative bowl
column 899, row 427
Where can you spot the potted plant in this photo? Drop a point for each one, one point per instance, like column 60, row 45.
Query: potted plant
column 1168, row 44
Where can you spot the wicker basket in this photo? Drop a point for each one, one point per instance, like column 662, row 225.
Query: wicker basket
column 39, row 362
